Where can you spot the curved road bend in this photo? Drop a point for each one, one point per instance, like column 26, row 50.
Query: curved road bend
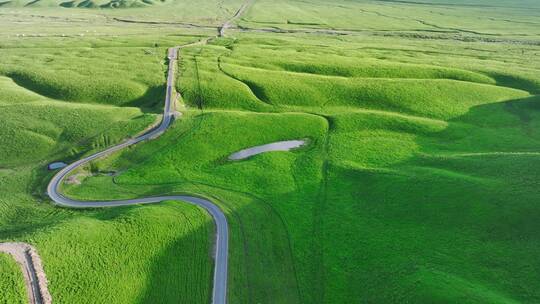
column 219, row 293
column 34, row 277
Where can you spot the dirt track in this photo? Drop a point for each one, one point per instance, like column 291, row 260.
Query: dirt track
column 36, row 283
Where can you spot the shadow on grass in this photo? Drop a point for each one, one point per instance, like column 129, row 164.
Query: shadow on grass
column 501, row 126
column 442, row 221
column 445, row 224
column 517, row 82
column 169, row 282
column 151, row 102
column 256, row 90
column 261, row 267
column 459, row 215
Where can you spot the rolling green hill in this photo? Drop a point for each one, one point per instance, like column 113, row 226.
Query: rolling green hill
column 63, row 102
column 418, row 183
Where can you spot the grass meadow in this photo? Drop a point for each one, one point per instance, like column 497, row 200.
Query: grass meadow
column 11, row 281
column 492, row 19
column 410, row 190
column 61, row 98
column 418, row 184
column 123, row 255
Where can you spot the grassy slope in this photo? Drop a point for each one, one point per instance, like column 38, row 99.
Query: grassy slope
column 261, row 265
column 37, row 128
column 11, row 281
column 128, row 255
column 405, row 163
column 92, row 75
column 153, row 253
column 446, row 227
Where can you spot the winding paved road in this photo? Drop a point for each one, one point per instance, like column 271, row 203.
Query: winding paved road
column 219, row 293
column 27, row 256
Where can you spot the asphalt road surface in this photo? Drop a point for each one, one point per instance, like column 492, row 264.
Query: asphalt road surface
column 219, row 293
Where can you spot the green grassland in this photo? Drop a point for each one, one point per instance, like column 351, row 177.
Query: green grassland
column 418, row 184
column 517, row 19
column 415, row 187
column 61, row 99
column 89, row 75
column 47, row 109
column 11, row 281
column 123, row 256
column 262, row 268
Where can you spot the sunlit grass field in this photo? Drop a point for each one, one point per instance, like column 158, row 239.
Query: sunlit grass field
column 410, row 189
column 62, row 102
column 418, row 183
column 11, row 281
column 123, row 256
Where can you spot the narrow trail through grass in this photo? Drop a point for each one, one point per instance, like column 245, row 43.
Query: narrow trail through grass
column 31, row 266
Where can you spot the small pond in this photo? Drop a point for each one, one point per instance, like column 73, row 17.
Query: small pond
column 276, row 146
column 56, row 165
